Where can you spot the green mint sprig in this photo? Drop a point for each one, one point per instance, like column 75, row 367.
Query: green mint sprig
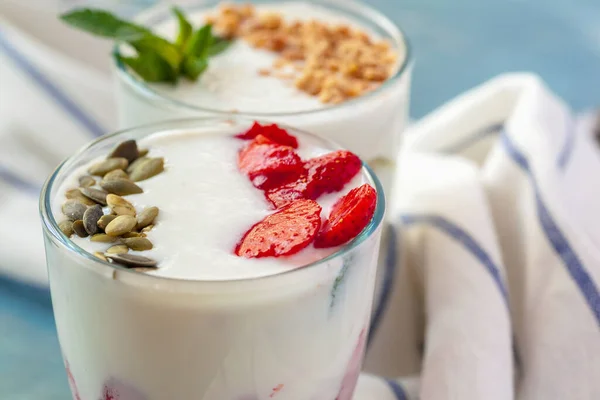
column 156, row 59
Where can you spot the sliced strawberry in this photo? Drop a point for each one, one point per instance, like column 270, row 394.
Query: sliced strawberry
column 349, row 216
column 273, row 132
column 283, row 233
column 330, row 172
column 324, row 174
column 269, row 165
column 285, row 194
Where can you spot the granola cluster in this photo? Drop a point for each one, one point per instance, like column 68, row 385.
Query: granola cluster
column 333, row 62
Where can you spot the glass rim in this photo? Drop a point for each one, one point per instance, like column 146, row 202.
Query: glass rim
column 367, row 12
column 51, row 227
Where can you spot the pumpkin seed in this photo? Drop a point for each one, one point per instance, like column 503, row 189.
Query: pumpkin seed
column 138, row 243
column 132, row 261
column 73, row 209
column 79, row 229
column 120, row 186
column 119, row 205
column 100, row 256
column 147, row 229
column 120, row 225
column 103, row 238
column 75, row 194
column 147, row 169
column 104, row 167
column 99, row 196
column 86, row 181
column 105, row 220
column 91, row 217
column 66, row 227
column 127, row 149
column 118, row 249
column 146, row 217
column 117, row 173
column 131, row 235
column 136, row 164
column 143, row 152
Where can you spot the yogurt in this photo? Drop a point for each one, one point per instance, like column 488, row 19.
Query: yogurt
column 208, row 324
column 369, row 125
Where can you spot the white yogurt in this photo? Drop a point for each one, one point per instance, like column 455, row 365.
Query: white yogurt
column 206, row 204
column 369, row 125
column 291, row 336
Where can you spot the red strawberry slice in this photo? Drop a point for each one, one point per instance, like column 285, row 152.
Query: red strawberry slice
column 284, row 195
column 330, row 172
column 269, row 165
column 273, row 132
column 325, row 174
column 349, row 216
column 283, row 233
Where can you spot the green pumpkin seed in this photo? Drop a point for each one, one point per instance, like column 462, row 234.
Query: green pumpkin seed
column 121, row 225
column 138, row 243
column 127, row 149
column 86, row 181
column 119, row 205
column 103, row 238
column 75, row 194
column 120, row 186
column 131, row 235
column 110, row 164
column 79, row 229
column 66, row 227
column 118, row 249
column 117, row 173
column 132, row 261
column 73, row 209
column 146, row 217
column 100, row 256
column 147, row 169
column 99, row 196
column 136, row 164
column 143, row 152
column 105, row 220
column 91, row 217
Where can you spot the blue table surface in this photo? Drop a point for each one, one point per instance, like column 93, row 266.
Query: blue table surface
column 457, row 44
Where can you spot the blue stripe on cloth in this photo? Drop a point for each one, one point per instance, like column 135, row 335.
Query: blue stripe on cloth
column 557, row 239
column 468, row 141
column 391, row 263
column 465, row 239
column 59, row 96
column 567, row 149
column 397, row 389
column 10, row 178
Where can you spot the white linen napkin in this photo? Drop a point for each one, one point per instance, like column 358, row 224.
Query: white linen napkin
column 498, row 220
column 491, row 289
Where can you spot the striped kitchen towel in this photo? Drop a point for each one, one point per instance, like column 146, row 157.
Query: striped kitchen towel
column 497, row 295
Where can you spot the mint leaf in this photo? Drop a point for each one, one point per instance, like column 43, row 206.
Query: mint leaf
column 150, row 67
column 218, row 46
column 104, row 24
column 185, row 28
column 200, row 42
column 161, row 47
column 193, row 67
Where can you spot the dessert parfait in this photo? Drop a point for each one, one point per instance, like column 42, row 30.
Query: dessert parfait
column 336, row 68
column 212, row 259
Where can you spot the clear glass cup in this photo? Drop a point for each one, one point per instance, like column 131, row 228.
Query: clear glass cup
column 299, row 334
column 370, row 125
